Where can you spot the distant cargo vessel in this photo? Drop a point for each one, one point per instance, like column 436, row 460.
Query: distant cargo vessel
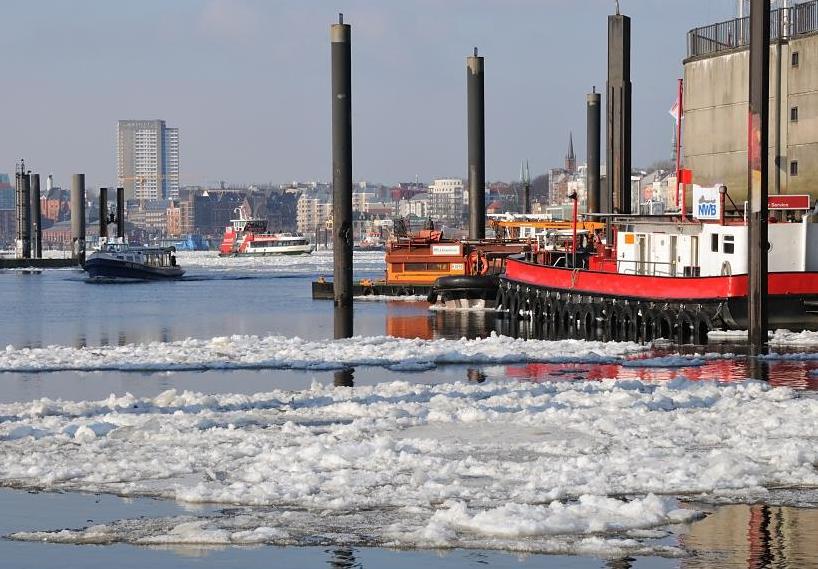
column 249, row 237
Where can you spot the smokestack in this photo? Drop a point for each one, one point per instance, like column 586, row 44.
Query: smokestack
column 477, row 146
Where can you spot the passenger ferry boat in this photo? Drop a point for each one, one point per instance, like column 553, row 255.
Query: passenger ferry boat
column 249, row 237
column 665, row 276
column 121, row 261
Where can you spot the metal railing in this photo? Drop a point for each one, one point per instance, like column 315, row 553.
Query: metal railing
column 784, row 23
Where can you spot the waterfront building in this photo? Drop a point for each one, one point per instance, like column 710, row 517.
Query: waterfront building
column 313, row 211
column 714, row 139
column 447, row 201
column 147, row 159
column 416, row 205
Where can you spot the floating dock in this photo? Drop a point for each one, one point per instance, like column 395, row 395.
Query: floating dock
column 323, row 290
column 38, row 263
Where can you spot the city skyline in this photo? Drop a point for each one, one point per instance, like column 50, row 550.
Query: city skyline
column 251, row 111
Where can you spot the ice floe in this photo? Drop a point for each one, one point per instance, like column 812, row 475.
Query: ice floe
column 280, row 352
column 318, row 263
column 582, row 467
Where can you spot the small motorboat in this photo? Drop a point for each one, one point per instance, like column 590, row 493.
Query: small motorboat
column 121, row 261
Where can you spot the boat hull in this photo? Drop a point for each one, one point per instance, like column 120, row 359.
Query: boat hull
column 792, row 300
column 115, row 269
column 305, row 251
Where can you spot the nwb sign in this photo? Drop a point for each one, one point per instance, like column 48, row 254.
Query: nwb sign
column 706, row 202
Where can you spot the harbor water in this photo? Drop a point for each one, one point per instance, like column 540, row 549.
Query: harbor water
column 413, row 439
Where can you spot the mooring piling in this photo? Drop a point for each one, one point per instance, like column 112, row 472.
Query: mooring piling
column 593, row 141
column 758, row 169
column 78, row 218
column 23, row 213
column 475, row 101
column 618, row 134
column 120, row 213
column 340, row 39
column 103, row 212
column 36, row 218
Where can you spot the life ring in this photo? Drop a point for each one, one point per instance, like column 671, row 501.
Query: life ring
column 477, row 263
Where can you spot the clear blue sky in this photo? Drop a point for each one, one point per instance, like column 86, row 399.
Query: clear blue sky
column 247, row 82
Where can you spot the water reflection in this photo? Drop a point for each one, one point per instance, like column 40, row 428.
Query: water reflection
column 436, row 324
column 475, row 375
column 754, row 537
column 343, row 558
column 344, row 378
column 622, row 563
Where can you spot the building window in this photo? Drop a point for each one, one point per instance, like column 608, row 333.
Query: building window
column 793, row 167
column 714, row 242
column 729, row 244
column 795, row 59
column 794, row 114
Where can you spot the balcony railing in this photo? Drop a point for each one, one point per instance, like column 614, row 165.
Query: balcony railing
column 784, row 23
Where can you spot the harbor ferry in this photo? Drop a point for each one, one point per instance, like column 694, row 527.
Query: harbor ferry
column 666, row 276
column 121, row 261
column 247, row 237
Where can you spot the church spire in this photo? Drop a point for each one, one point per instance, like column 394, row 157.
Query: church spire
column 570, row 158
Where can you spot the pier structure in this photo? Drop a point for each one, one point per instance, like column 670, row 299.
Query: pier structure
column 340, row 39
column 475, row 101
column 617, row 199
column 758, row 170
column 593, row 141
column 78, row 218
column 36, row 218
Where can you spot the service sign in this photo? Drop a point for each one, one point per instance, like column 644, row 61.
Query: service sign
column 706, row 202
column 788, row 202
column 446, row 250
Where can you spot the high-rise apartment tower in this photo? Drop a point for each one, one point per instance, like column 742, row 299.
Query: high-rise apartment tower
column 147, row 159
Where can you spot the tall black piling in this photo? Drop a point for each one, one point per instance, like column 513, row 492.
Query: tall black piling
column 78, row 218
column 477, row 146
column 120, row 213
column 103, row 212
column 618, row 196
column 340, row 39
column 36, row 218
column 23, row 213
column 25, row 199
column 758, row 169
column 526, row 179
column 593, row 141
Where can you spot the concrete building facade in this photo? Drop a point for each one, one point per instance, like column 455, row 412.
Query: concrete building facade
column 716, row 94
column 147, row 159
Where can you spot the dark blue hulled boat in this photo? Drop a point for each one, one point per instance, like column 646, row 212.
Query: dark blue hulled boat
column 120, row 261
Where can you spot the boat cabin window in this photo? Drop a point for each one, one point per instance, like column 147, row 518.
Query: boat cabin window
column 714, row 242
column 426, row 266
column 729, row 244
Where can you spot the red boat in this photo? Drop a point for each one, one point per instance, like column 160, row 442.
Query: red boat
column 248, row 237
column 664, row 277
